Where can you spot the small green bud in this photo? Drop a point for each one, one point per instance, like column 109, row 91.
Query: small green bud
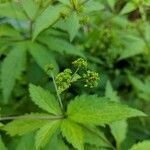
column 80, row 63
column 91, row 79
column 84, row 20
column 49, row 68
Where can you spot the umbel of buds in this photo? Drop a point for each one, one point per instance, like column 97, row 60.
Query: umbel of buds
column 65, row 79
column 91, row 78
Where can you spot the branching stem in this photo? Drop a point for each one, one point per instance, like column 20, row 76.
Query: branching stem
column 31, row 118
column 58, row 96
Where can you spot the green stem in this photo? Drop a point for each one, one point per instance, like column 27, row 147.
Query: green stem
column 31, row 118
column 74, row 74
column 58, row 96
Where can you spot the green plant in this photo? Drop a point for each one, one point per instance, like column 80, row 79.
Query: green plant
column 39, row 39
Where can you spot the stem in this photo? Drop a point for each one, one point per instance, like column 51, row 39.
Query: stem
column 58, row 96
column 31, row 118
column 74, row 73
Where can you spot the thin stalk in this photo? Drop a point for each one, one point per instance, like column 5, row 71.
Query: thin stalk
column 58, row 96
column 74, row 74
column 31, row 118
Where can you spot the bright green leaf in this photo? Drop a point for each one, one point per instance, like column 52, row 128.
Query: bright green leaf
column 73, row 133
column 46, row 133
column 44, row 99
column 12, row 67
column 145, row 145
column 61, row 46
column 2, row 145
column 24, row 126
column 42, row 56
column 73, row 25
column 30, row 7
column 98, row 110
column 47, row 18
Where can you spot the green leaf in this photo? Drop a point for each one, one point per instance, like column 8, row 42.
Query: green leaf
column 144, row 145
column 95, row 137
column 111, row 3
column 61, row 46
column 42, row 56
column 46, row 133
column 12, row 67
column 119, row 131
column 50, row 15
column 129, row 7
column 91, row 6
column 24, row 126
column 110, row 93
column 44, row 99
column 30, row 7
column 56, row 143
column 2, row 145
column 73, row 25
column 11, row 9
column 73, row 133
column 66, row 2
column 26, row 142
column 99, row 110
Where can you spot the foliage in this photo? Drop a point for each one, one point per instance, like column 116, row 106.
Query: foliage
column 100, row 100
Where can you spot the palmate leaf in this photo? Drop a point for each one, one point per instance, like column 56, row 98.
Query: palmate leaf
column 145, row 145
column 46, row 133
column 73, row 133
column 12, row 67
column 98, row 110
column 50, row 15
column 24, row 126
column 44, row 99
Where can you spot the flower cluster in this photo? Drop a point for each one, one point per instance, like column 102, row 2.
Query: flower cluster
column 49, row 68
column 91, row 78
column 80, row 63
column 63, row 80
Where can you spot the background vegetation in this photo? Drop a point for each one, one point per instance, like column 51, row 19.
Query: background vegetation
column 112, row 35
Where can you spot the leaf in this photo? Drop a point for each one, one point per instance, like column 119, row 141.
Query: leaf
column 26, row 142
column 56, row 143
column 66, row 2
column 111, row 3
column 61, row 46
column 24, row 126
column 12, row 67
column 42, row 56
column 129, row 7
column 92, row 6
column 119, row 131
column 73, row 133
column 118, row 128
column 11, row 9
column 144, row 145
column 99, row 110
column 2, row 145
column 73, row 25
column 95, row 137
column 46, row 133
column 110, row 93
column 44, row 99
column 30, row 7
column 50, row 15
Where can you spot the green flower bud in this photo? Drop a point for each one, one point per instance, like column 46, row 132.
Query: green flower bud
column 80, row 63
column 49, row 68
column 91, row 79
